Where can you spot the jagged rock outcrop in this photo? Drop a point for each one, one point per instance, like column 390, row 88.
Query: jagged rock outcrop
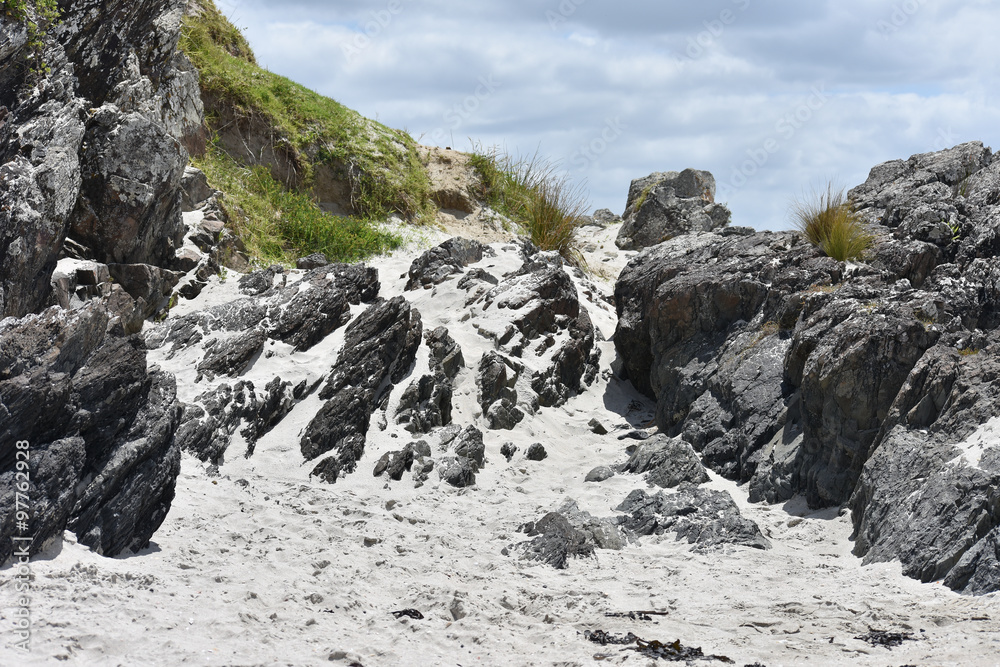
column 91, row 158
column 98, row 425
column 703, row 517
column 379, row 349
column 426, row 403
column 444, row 260
column 543, row 340
column 93, row 149
column 664, row 205
column 567, row 533
column 231, row 337
column 668, row 462
column 854, row 383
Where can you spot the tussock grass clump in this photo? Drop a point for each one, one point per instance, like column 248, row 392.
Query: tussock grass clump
column 278, row 225
column 830, row 223
column 530, row 192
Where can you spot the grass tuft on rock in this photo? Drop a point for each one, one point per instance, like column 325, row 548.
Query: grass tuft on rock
column 830, row 223
column 382, row 165
column 278, row 225
column 533, row 195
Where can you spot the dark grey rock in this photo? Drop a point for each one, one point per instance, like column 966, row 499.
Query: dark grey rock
column 148, row 285
column 496, row 379
column 664, row 205
column 535, row 312
column 469, row 444
column 504, row 415
column 260, row 281
column 600, row 474
column 425, row 404
column 195, row 190
column 129, row 210
column 597, row 427
column 445, row 353
column 39, row 183
column 459, row 472
column 440, row 262
column 669, row 462
column 567, row 533
column 379, row 350
column 233, row 356
column 703, row 517
column 100, row 425
column 301, row 318
column 556, row 541
column 208, row 425
column 536, row 452
column 507, row 450
column 605, row 218
column 313, row 261
column 394, row 464
column 477, row 276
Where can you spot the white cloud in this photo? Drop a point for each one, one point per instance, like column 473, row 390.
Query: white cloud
column 618, row 91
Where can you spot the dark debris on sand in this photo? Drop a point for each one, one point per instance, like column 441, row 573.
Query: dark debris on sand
column 673, row 651
column 886, row 639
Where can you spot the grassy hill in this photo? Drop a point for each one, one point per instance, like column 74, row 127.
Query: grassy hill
column 302, row 173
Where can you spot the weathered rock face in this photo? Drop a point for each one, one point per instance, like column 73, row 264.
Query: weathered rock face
column 668, row 462
column 40, row 140
column 379, row 349
column 703, row 517
column 544, row 341
column 129, row 211
column 664, row 205
column 233, row 336
column 426, row 403
column 938, row 458
column 437, row 264
column 691, row 333
column 107, row 178
column 98, row 424
column 798, row 374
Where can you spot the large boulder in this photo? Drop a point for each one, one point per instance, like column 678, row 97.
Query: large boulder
column 95, row 424
column 666, row 204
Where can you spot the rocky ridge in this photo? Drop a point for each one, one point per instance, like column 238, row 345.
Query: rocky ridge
column 867, row 384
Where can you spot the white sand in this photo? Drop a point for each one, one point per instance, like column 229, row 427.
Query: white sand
column 277, row 571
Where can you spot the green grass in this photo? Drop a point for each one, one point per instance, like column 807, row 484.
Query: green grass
column 529, row 191
column 830, row 223
column 39, row 16
column 382, row 164
column 278, row 225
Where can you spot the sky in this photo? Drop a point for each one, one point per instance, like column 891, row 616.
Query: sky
column 775, row 98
